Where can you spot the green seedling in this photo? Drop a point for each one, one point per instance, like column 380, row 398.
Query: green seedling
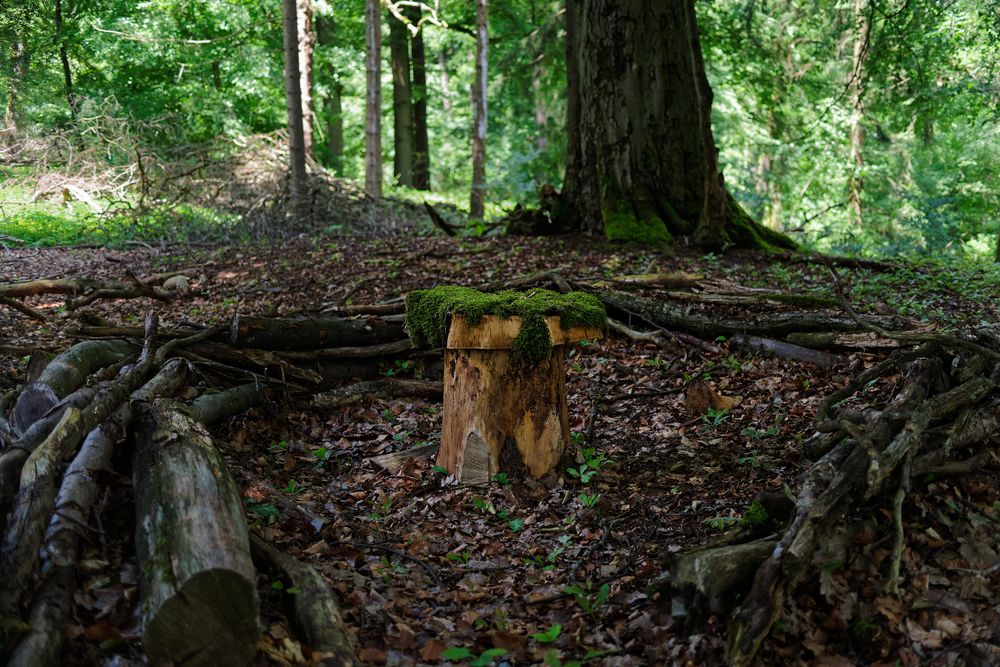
column 465, row 656
column 549, row 636
column 589, row 599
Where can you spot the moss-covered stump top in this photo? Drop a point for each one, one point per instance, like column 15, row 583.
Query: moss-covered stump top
column 428, row 312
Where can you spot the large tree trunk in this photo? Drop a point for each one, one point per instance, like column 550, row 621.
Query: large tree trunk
column 642, row 160
column 421, row 143
column 402, row 108
column 293, row 105
column 476, row 199
column 373, row 100
column 333, row 112
column 306, row 44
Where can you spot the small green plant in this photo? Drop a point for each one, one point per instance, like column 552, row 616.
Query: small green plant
column 755, row 515
column 322, row 455
column 576, row 438
column 266, row 511
column 483, row 505
column 549, row 636
column 400, row 367
column 757, row 434
column 501, row 479
column 593, row 462
column 278, row 447
column 589, row 501
column 721, row 522
column 293, row 487
column 589, row 598
column 460, row 557
column 658, row 363
column 466, row 656
column 733, row 364
column 441, row 470
column 279, row 585
column 714, row 418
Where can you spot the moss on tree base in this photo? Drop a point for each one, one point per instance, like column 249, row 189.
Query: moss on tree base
column 427, row 314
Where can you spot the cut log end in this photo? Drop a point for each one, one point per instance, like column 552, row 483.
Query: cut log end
column 211, row 620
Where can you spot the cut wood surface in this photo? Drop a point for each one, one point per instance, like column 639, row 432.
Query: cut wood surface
column 498, row 333
column 198, row 584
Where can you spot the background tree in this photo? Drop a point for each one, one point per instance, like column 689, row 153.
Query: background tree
column 307, row 44
column 402, row 107
column 479, row 112
column 642, row 154
column 373, row 99
column 293, row 103
column 421, row 142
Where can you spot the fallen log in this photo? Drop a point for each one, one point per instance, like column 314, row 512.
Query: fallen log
column 311, row 333
column 64, row 373
column 197, row 582
column 42, row 645
column 316, row 611
column 90, row 290
column 676, row 316
column 23, row 308
column 355, row 393
column 38, row 483
column 786, row 350
column 210, row 408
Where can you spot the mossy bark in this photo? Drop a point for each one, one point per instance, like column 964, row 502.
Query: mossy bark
column 639, row 128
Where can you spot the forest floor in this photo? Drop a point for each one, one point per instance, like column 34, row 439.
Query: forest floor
column 557, row 571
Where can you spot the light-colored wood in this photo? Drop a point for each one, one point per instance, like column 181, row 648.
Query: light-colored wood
column 502, row 415
column 498, row 333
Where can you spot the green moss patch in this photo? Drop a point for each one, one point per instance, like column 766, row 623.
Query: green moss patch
column 427, row 314
column 622, row 224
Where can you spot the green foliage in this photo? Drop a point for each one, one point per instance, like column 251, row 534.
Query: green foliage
column 549, row 636
column 427, row 312
column 466, row 656
column 755, row 515
column 590, row 599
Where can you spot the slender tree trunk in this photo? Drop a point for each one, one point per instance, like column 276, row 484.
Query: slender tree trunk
column 856, row 85
column 333, row 114
column 217, row 75
column 18, row 70
column 307, row 44
column 373, row 100
column 642, row 160
column 293, row 105
column 402, row 108
column 541, row 139
column 445, row 80
column 421, row 143
column 64, row 58
column 479, row 115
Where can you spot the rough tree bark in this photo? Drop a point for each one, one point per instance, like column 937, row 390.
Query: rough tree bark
column 479, row 117
column 306, row 44
column 293, row 106
column 856, row 85
column 373, row 100
column 333, row 112
column 402, row 108
column 641, row 152
column 421, row 144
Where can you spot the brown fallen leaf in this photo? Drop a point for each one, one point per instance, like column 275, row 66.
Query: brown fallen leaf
column 432, row 650
column 700, row 398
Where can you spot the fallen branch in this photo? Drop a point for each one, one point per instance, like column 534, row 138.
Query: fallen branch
column 355, row 393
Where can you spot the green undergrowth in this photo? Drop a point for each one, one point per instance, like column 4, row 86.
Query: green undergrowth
column 57, row 226
column 622, row 224
column 427, row 314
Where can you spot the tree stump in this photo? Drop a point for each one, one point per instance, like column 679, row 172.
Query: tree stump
column 503, row 413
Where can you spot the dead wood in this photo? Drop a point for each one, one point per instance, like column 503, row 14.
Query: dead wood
column 210, row 408
column 826, row 340
column 393, row 461
column 866, row 454
column 23, row 308
column 316, row 612
column 198, row 586
column 786, row 350
column 88, row 290
column 42, row 645
column 62, row 375
column 38, row 483
column 355, row 393
column 676, row 316
column 311, row 333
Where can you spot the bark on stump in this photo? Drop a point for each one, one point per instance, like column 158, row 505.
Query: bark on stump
column 501, row 413
column 199, row 595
